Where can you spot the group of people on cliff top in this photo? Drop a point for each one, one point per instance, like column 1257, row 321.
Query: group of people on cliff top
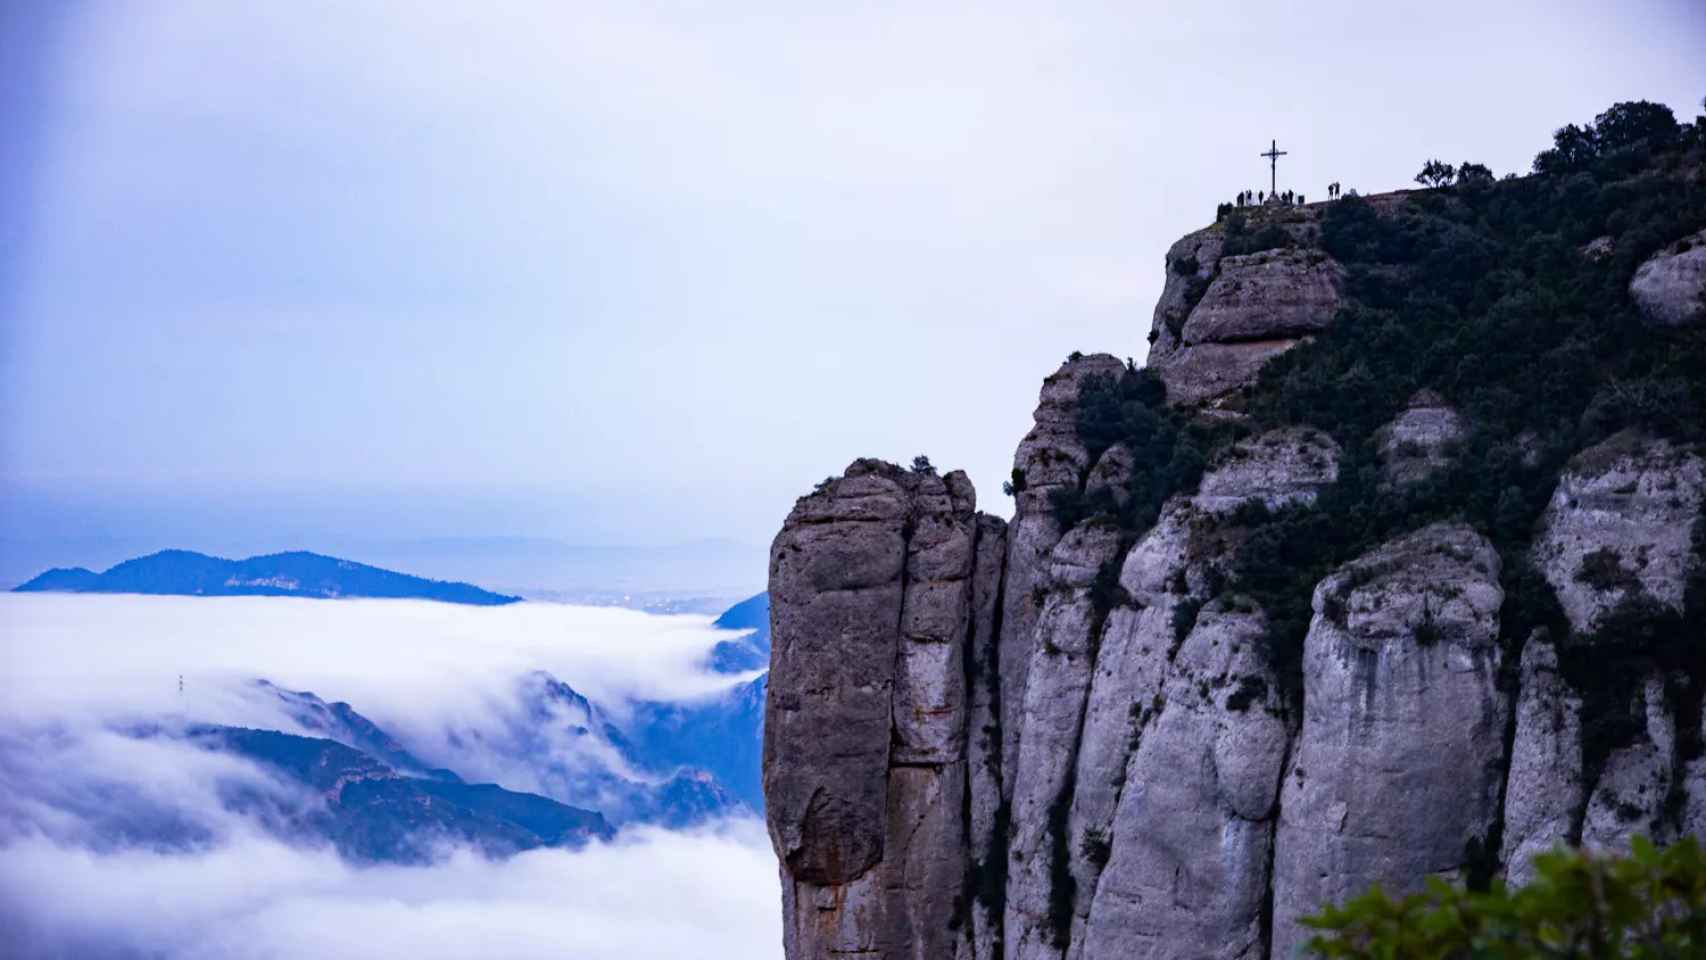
column 1253, row 197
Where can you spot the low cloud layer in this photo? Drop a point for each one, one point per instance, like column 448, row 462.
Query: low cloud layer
column 76, row 879
column 395, row 660
column 653, row 893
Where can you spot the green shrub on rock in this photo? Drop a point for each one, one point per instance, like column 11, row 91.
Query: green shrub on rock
column 1648, row 905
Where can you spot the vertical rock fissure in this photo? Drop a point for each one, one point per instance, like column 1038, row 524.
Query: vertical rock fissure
column 1266, row 918
column 1487, row 862
column 986, row 876
column 1063, row 884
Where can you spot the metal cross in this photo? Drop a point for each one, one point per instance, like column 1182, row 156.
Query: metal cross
column 1273, row 155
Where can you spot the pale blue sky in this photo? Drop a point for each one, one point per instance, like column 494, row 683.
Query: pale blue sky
column 640, row 273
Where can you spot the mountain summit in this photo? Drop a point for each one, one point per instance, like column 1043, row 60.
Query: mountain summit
column 1390, row 566
column 294, row 574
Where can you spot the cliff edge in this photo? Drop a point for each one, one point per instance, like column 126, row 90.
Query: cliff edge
column 1390, row 564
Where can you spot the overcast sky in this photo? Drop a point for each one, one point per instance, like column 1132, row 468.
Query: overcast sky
column 636, row 273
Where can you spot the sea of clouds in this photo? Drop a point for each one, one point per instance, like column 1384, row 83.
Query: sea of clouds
column 76, row 671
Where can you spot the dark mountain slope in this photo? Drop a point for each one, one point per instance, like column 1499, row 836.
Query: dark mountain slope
column 374, row 814
column 751, row 652
column 294, row 574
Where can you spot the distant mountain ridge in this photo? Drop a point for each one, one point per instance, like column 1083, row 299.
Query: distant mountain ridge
column 751, row 652
column 372, row 813
column 293, row 574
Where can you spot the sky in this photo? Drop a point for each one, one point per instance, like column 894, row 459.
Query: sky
column 78, row 673
column 279, row 275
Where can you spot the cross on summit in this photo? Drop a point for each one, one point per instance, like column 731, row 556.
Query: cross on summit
column 1273, row 154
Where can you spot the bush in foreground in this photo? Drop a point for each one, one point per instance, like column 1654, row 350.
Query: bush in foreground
column 1647, row 905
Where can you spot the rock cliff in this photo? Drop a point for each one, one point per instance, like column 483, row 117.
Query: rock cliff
column 1258, row 634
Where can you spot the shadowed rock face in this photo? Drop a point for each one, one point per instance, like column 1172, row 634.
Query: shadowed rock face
column 1268, row 295
column 1049, row 458
column 1544, row 794
column 1006, row 739
column 1619, row 526
column 1420, row 442
column 872, row 597
column 1670, row 288
column 1221, row 318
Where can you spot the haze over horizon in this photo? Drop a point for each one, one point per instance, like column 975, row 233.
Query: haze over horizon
column 612, row 276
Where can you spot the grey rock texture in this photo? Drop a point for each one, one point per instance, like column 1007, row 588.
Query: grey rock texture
column 864, row 739
column 983, row 728
column 1399, row 760
column 1619, row 526
column 1269, row 295
column 1670, row 288
column 1191, row 263
column 1001, row 739
column 1050, row 457
column 1111, row 475
column 1636, row 780
column 1544, row 791
column 1248, row 309
column 1187, row 870
column 1280, row 468
column 1062, row 663
column 1209, row 371
column 1420, row 442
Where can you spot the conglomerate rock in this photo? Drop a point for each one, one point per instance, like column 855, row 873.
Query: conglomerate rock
column 1051, row 457
column 1420, row 441
column 1670, row 288
column 1544, row 792
column 1399, row 760
column 989, row 739
column 1221, row 318
column 1619, row 527
column 1188, row 850
column 1062, row 663
column 864, row 735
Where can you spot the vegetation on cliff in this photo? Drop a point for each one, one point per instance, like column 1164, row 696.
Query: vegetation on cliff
column 1509, row 298
column 1510, row 301
column 1650, row 904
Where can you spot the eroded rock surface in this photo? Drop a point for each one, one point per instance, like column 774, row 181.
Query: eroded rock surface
column 1190, row 266
column 1619, row 527
column 1062, row 662
column 1399, row 761
column 1420, row 442
column 1208, row 371
column 864, row 738
column 1221, row 318
column 1049, row 458
column 1670, row 288
column 1268, row 295
column 1004, row 739
column 1188, row 851
column 1280, row 468
column 1635, row 782
column 1544, row 792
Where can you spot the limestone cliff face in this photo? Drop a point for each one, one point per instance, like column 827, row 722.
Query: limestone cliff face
column 872, row 585
column 1221, row 317
column 1399, row 762
column 1670, row 288
column 1070, row 738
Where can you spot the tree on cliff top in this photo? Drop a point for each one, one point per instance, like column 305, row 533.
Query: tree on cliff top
column 1650, row 904
column 1436, row 174
column 1629, row 125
